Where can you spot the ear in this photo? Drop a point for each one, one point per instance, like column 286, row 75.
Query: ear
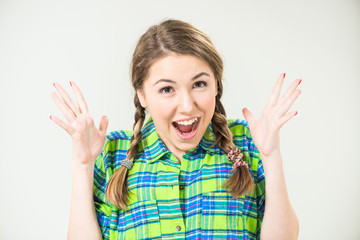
column 141, row 97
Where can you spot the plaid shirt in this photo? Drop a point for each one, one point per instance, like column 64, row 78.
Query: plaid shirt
column 169, row 200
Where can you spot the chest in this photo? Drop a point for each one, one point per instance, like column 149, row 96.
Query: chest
column 184, row 201
column 167, row 179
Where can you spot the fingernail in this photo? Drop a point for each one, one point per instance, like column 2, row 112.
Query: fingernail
column 284, row 75
column 70, row 83
column 296, row 113
column 299, row 82
column 51, row 117
column 54, row 84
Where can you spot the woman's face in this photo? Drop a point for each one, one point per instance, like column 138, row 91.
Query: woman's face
column 179, row 94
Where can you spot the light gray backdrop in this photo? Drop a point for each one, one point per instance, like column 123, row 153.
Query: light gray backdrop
column 91, row 42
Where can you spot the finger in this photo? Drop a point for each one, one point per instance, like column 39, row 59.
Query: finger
column 104, row 124
column 276, row 90
column 290, row 90
column 249, row 117
column 284, row 108
column 62, row 124
column 79, row 98
column 286, row 118
column 67, row 99
column 69, row 115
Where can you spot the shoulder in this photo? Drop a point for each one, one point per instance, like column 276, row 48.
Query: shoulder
column 243, row 140
column 119, row 135
column 114, row 150
column 239, row 128
column 117, row 141
column 242, row 136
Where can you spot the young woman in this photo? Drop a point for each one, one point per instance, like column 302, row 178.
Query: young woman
column 186, row 172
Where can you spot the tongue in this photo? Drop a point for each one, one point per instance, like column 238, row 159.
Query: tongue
column 184, row 128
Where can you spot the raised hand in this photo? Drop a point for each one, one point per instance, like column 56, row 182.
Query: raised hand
column 87, row 140
column 265, row 130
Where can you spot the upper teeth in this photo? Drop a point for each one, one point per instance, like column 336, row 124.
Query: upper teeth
column 187, row 122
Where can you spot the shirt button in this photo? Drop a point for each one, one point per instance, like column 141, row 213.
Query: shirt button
column 181, row 187
column 178, row 228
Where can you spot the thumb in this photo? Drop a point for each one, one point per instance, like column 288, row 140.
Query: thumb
column 249, row 117
column 104, row 122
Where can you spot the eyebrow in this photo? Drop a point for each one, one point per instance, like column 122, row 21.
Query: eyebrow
column 171, row 81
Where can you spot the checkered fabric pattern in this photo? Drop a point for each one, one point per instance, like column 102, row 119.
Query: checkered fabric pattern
column 169, row 200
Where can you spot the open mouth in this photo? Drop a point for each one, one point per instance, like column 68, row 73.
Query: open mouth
column 186, row 127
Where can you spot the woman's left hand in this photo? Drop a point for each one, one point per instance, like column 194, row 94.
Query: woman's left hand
column 265, row 130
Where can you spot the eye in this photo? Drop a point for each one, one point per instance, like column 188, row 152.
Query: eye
column 166, row 90
column 200, row 84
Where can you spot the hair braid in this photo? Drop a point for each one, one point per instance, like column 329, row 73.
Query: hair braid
column 241, row 181
column 170, row 36
column 117, row 188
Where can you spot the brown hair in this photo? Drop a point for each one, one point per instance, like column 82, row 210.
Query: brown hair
column 179, row 37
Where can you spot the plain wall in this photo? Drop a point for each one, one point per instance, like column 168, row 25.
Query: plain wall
column 91, row 43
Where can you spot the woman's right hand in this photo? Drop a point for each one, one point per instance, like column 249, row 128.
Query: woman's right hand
column 88, row 141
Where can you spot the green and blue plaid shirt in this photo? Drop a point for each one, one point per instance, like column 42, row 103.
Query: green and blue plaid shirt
column 169, row 200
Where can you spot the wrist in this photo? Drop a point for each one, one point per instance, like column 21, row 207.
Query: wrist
column 78, row 167
column 273, row 160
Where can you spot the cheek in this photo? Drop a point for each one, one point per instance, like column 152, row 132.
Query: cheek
column 208, row 102
column 161, row 109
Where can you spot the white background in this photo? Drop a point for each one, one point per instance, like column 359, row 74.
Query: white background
column 91, row 43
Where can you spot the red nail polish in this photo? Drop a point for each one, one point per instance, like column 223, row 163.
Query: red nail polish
column 70, row 83
column 54, row 84
column 296, row 113
column 299, row 82
column 284, row 75
column 51, row 117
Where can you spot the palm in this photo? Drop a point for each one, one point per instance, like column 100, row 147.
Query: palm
column 265, row 130
column 88, row 141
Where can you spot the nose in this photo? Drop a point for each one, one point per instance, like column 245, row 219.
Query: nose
column 186, row 103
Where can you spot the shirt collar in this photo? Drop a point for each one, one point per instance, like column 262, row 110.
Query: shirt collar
column 154, row 148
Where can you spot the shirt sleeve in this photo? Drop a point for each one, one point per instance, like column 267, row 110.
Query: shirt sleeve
column 260, row 195
column 259, row 180
column 102, row 208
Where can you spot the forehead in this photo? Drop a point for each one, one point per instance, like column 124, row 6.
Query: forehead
column 177, row 67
